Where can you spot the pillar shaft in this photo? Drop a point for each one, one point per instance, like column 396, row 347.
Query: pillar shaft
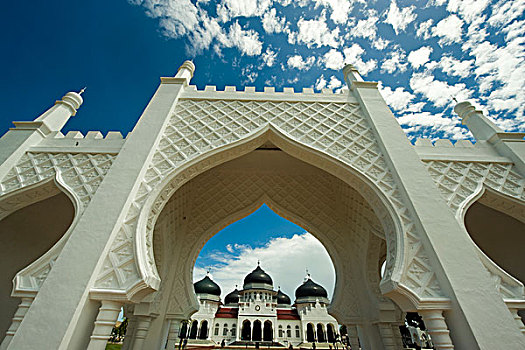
column 353, row 336
column 141, row 331
column 53, row 318
column 454, row 259
column 21, row 311
column 106, row 319
column 437, row 328
column 173, row 334
column 387, row 336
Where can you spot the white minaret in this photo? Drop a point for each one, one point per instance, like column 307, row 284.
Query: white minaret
column 15, row 143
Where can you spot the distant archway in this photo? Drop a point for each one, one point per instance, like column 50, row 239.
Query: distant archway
column 310, row 333
column 204, row 330
column 194, row 329
column 330, row 333
column 268, row 331
column 257, row 331
column 246, row 333
column 320, row 333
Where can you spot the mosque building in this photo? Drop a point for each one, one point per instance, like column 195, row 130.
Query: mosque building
column 258, row 313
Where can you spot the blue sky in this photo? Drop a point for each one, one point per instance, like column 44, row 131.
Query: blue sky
column 422, row 52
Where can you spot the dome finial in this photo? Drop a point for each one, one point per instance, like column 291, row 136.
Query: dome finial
column 258, row 262
column 208, row 271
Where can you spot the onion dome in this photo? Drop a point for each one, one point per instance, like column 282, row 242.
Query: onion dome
column 233, row 297
column 310, row 289
column 257, row 278
column 207, row 286
column 283, row 298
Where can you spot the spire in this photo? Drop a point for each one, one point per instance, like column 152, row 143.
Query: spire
column 351, row 74
column 185, row 72
column 82, row 90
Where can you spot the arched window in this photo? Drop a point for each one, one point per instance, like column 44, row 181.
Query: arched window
column 289, row 331
column 216, row 331
column 225, row 330
column 246, row 333
column 320, row 333
column 297, row 332
column 310, row 333
column 194, row 329
column 268, row 331
column 204, row 330
column 234, row 330
column 257, row 331
column 330, row 333
column 281, row 331
column 183, row 330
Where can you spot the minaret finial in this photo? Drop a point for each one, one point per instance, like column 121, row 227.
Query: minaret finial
column 82, row 90
column 454, row 99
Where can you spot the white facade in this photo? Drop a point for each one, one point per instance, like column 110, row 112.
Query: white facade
column 282, row 323
column 140, row 208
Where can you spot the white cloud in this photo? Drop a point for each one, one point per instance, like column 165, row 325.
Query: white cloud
column 396, row 61
column 272, row 23
column 334, row 83
column 428, row 123
column 505, row 12
column 339, row 9
column 470, row 10
column 366, row 28
column 453, row 66
column 400, row 18
column 297, row 61
column 269, row 57
column 353, row 56
column 423, row 31
column 439, row 92
column 229, row 9
column 419, row 57
column 320, row 83
column 399, row 99
column 333, row 59
column 247, row 41
column 380, row 43
column 284, row 259
column 315, row 33
column 177, row 18
column 449, row 30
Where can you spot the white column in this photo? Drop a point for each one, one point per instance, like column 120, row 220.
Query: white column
column 437, row 328
column 17, row 319
column 353, row 336
column 130, row 333
column 141, row 331
column 173, row 334
column 518, row 319
column 387, row 335
column 106, row 319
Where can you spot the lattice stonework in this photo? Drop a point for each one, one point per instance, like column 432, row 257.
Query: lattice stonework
column 82, row 172
column 336, row 128
column 459, row 180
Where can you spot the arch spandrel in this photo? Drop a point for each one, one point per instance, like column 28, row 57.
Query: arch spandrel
column 334, row 213
column 40, row 175
column 497, row 185
column 331, row 135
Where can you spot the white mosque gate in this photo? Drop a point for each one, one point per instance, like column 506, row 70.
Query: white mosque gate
column 337, row 164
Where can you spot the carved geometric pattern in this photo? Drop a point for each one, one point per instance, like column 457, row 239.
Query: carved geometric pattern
column 82, row 172
column 335, row 213
column 338, row 129
column 457, row 181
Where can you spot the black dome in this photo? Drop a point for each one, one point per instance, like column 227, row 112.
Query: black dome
column 258, row 276
column 310, row 289
column 283, row 298
column 233, row 297
column 207, row 286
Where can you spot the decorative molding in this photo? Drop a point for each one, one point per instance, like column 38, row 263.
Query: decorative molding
column 203, row 133
column 38, row 176
column 497, row 185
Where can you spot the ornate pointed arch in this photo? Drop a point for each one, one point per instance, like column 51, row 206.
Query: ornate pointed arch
column 356, row 179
